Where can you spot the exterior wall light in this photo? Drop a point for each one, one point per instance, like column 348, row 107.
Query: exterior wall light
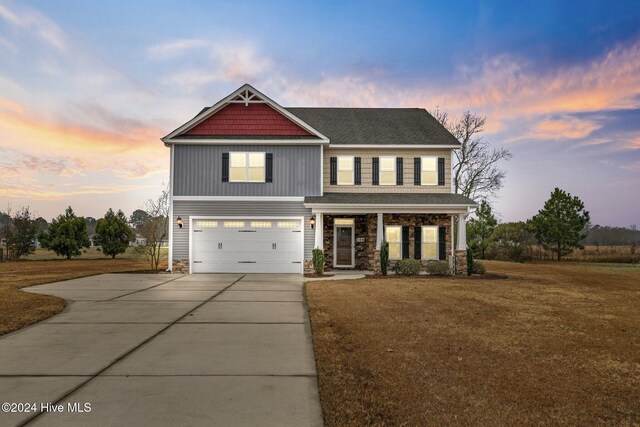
column 179, row 220
column 312, row 222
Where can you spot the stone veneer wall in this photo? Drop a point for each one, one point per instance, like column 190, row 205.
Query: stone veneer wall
column 366, row 227
column 180, row 266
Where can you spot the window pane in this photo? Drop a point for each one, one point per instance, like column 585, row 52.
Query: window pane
column 238, row 160
column 429, row 250
column 387, row 163
column 345, row 163
column 233, row 224
column 237, row 174
column 345, row 178
column 260, row 224
column 342, row 221
column 256, row 174
column 429, row 178
column 393, row 234
column 206, row 224
column 394, row 250
column 428, row 164
column 387, row 178
column 429, row 234
column 288, row 224
column 256, row 159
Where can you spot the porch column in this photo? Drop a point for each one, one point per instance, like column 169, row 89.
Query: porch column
column 379, row 233
column 462, row 232
column 319, row 244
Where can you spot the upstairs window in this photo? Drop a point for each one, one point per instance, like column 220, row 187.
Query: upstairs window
column 345, row 170
column 429, row 172
column 246, row 167
column 387, row 170
column 429, row 242
column 394, row 238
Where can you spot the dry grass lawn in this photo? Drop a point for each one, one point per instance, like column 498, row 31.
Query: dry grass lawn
column 19, row 309
column 553, row 344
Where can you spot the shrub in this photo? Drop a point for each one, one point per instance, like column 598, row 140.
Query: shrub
column 469, row 262
column 438, row 268
column 408, row 267
column 384, row 258
column 478, row 268
column 317, row 258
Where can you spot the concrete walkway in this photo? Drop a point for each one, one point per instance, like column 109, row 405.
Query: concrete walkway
column 166, row 350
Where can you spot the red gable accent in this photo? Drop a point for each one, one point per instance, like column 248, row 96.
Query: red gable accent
column 251, row 119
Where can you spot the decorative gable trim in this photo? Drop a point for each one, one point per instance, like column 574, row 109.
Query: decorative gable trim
column 246, row 95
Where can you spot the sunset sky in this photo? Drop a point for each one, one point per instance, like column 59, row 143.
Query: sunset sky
column 88, row 88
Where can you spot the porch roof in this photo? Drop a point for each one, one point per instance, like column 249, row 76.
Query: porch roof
column 390, row 202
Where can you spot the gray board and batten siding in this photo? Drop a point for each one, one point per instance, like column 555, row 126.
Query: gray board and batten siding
column 279, row 209
column 198, row 171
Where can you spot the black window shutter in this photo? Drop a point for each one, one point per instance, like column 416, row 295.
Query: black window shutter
column 417, row 168
column 357, row 162
column 405, row 242
column 268, row 172
column 333, row 170
column 442, row 242
column 225, row 167
column 440, row 170
column 398, row 170
column 375, row 165
column 417, row 242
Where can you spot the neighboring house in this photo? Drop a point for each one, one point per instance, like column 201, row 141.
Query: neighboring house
column 256, row 186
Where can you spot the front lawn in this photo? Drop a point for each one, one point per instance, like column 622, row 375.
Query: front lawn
column 552, row 344
column 19, row 309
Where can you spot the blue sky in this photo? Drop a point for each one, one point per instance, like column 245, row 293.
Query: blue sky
column 87, row 88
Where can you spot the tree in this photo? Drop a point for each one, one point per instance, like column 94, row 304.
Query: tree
column 561, row 223
column 514, row 240
column 479, row 229
column 113, row 234
column 66, row 235
column 138, row 218
column 155, row 228
column 20, row 233
column 475, row 170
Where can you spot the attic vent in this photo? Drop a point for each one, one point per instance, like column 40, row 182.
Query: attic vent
column 247, row 97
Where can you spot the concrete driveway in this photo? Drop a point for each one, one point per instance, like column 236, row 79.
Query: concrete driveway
column 223, row 349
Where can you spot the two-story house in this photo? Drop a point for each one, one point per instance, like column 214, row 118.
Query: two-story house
column 256, row 186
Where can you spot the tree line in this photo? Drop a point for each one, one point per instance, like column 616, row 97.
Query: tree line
column 68, row 235
column 559, row 227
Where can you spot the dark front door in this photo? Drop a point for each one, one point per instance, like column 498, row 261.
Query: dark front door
column 343, row 246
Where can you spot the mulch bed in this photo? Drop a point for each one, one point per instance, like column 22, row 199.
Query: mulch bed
column 487, row 276
column 314, row 275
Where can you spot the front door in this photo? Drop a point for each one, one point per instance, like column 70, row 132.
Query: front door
column 344, row 244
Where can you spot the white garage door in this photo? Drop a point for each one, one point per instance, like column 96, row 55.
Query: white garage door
column 252, row 245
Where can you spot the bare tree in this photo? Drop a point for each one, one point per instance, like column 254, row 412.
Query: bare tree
column 155, row 228
column 475, row 173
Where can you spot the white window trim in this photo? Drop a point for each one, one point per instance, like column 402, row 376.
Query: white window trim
column 422, row 170
column 399, row 241
column 353, row 244
column 353, row 170
column 247, row 167
column 395, row 164
column 437, row 242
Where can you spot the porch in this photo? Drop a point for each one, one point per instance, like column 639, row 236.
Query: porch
column 350, row 228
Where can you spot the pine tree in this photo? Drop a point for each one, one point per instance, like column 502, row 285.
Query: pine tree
column 560, row 224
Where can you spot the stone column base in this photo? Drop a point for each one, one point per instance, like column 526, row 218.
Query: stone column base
column 307, row 266
column 461, row 261
column 376, row 262
column 180, row 266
